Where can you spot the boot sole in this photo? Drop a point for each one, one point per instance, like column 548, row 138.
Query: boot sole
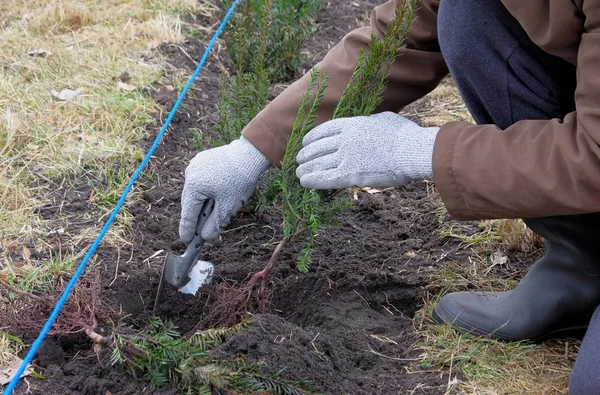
column 446, row 318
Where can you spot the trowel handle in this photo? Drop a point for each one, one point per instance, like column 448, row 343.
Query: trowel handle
column 197, row 242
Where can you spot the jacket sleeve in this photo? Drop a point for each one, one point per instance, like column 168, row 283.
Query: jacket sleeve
column 534, row 168
column 418, row 69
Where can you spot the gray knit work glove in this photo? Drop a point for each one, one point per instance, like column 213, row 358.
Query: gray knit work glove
column 379, row 151
column 227, row 174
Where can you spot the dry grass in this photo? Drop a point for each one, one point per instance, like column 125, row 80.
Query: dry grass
column 10, row 347
column 489, row 366
column 106, row 51
column 442, row 105
column 484, row 366
column 492, row 367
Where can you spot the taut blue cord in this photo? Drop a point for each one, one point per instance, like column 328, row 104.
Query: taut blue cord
column 35, row 346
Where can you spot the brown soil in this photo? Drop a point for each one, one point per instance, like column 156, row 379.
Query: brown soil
column 347, row 325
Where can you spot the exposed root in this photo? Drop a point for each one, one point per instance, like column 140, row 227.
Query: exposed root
column 264, row 274
column 129, row 349
column 92, row 334
column 232, row 303
column 25, row 310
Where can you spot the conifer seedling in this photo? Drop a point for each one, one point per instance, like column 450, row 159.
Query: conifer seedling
column 307, row 211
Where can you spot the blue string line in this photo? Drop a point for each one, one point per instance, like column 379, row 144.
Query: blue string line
column 34, row 348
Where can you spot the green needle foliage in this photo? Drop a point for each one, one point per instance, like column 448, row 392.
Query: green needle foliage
column 263, row 39
column 165, row 356
column 364, row 92
column 288, row 24
column 244, row 94
column 306, row 211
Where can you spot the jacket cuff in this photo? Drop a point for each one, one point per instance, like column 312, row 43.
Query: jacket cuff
column 444, row 174
column 265, row 140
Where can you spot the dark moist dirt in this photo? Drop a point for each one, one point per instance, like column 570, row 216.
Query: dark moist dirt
column 347, row 325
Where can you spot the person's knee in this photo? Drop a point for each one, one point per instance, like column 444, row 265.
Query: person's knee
column 584, row 378
column 458, row 29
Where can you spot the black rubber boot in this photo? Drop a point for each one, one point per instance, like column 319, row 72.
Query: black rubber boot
column 559, row 293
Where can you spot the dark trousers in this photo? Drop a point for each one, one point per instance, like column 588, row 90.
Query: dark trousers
column 504, row 78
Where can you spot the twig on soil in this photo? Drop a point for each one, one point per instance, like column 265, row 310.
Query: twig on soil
column 157, row 253
column 24, row 293
column 383, row 339
column 359, row 295
column 239, row 227
column 28, row 391
column 116, row 268
column 107, row 341
column 184, row 52
column 92, row 334
column 241, row 241
column 393, row 358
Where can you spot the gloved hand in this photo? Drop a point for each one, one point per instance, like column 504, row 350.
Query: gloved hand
column 380, row 151
column 227, row 174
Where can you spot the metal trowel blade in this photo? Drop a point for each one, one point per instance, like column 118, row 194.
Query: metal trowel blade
column 174, row 272
column 176, row 268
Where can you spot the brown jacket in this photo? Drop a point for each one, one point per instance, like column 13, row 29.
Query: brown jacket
column 534, row 168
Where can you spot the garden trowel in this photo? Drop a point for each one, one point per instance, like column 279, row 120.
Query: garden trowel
column 176, row 269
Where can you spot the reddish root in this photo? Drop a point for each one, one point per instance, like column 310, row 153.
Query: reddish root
column 232, row 303
column 28, row 311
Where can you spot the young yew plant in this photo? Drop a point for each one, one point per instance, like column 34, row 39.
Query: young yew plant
column 264, row 39
column 245, row 93
column 306, row 211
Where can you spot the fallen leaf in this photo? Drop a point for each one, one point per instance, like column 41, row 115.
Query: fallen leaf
column 125, row 87
column 12, row 245
column 7, row 374
column 89, row 138
column 66, row 94
column 499, row 258
column 372, row 191
column 32, row 147
column 56, row 232
column 42, row 53
column 26, row 253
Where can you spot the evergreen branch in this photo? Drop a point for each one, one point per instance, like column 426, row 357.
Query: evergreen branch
column 165, row 356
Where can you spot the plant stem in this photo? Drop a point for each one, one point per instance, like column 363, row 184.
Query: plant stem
column 25, row 293
column 263, row 274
